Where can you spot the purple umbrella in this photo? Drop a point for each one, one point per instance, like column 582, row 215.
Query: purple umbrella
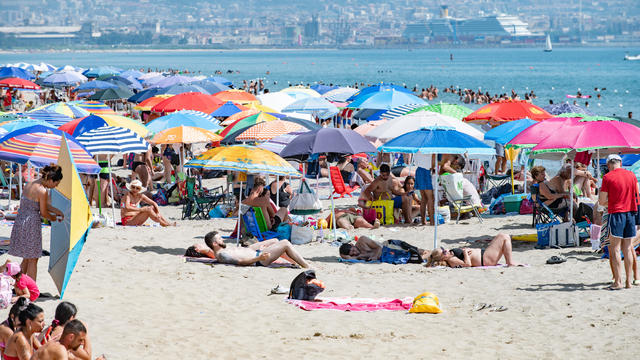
column 328, row 140
column 173, row 80
column 565, row 108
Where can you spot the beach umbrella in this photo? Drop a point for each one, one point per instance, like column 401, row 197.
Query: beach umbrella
column 95, row 85
column 210, row 86
column 18, row 83
column 185, row 135
column 384, row 100
column 278, row 143
column 453, row 110
column 507, row 110
column 377, row 88
column 122, row 81
column 132, row 73
column 64, row 78
column 276, row 100
column 188, row 101
column 238, row 116
column 12, row 71
column 364, row 129
column 300, row 90
column 269, row 129
column 316, row 106
column 220, row 79
column 69, row 235
column 9, row 126
column 248, row 121
column 397, row 111
column 327, row 140
column 51, row 118
column 68, row 109
column 111, row 94
column 227, row 109
column 340, row 94
column 186, row 118
column 173, row 80
column 565, row 107
column 40, row 145
column 437, row 140
column 145, row 94
column 183, row 88
column 94, row 107
column 506, row 132
column 81, row 126
column 535, row 133
column 152, row 80
column 260, row 107
column 69, row 68
column 101, row 71
column 323, row 89
column 147, row 104
column 237, row 96
column 416, row 121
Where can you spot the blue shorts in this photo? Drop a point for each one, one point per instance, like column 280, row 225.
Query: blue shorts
column 397, row 202
column 623, row 225
column 423, row 179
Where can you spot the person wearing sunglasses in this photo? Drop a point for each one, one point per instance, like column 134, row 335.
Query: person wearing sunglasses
column 498, row 247
column 131, row 211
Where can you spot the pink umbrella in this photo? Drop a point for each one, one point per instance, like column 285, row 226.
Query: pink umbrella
column 365, row 128
column 608, row 136
column 535, row 133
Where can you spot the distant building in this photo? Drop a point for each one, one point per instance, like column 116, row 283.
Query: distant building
column 48, row 36
column 312, row 30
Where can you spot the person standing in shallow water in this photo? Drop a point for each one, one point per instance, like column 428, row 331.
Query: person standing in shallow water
column 26, row 234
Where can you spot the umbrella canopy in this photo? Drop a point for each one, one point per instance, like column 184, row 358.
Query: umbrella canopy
column 398, row 111
column 149, row 103
column 64, row 78
column 238, row 116
column 377, row 88
column 50, row 117
column 366, row 128
column 111, row 94
column 81, row 126
column 327, row 140
column 183, row 88
column 507, row 110
column 210, row 86
column 68, row 236
column 94, row 107
column 186, row 118
column 535, row 133
column 276, row 100
column 173, row 80
column 227, row 109
column 188, row 101
column 237, row 96
column 109, row 140
column 384, row 100
column 18, row 83
column 312, row 105
column 101, row 71
column 322, row 88
column 248, row 121
column 279, row 142
column 437, row 140
column 145, row 94
column 185, row 135
column 268, row 130
column 40, row 146
column 243, row 158
column 12, row 71
column 562, row 108
column 9, row 126
column 506, row 132
column 68, row 109
column 95, row 85
column 301, row 90
column 453, row 110
column 220, row 79
column 132, row 73
column 416, row 121
column 260, row 107
column 340, row 94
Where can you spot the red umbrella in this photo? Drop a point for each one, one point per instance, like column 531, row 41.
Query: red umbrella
column 507, row 110
column 18, row 83
column 188, row 101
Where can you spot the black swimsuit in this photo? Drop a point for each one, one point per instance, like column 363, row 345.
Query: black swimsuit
column 459, row 253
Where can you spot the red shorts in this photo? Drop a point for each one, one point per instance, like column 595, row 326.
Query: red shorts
column 125, row 220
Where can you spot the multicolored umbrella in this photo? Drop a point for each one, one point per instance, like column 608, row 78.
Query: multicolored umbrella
column 9, row 126
column 40, row 146
column 237, row 96
column 507, row 110
column 453, row 110
column 248, row 121
column 18, row 83
column 147, row 104
column 185, row 135
column 94, row 107
column 398, row 111
column 188, row 101
column 268, row 130
column 243, row 158
column 81, row 126
column 69, row 109
column 384, row 100
column 238, row 116
column 184, row 118
column 69, row 235
column 228, row 109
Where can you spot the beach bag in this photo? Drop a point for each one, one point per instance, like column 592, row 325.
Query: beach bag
column 384, row 210
column 563, row 235
column 5, row 291
column 301, row 234
column 426, row 303
column 160, row 197
column 305, row 286
column 399, row 252
column 543, row 234
column 306, row 200
column 284, row 231
column 369, row 215
column 526, row 207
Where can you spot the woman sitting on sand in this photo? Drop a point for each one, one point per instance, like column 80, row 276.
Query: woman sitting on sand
column 133, row 214
column 10, row 325
column 23, row 343
column 500, row 246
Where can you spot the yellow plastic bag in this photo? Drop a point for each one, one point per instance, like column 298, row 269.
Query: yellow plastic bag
column 384, row 210
column 426, row 303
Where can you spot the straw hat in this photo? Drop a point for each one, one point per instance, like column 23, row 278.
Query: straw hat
column 136, row 183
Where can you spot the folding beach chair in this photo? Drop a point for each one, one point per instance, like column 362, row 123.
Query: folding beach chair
column 452, row 185
column 542, row 214
column 198, row 204
column 252, row 226
column 493, row 181
column 339, row 186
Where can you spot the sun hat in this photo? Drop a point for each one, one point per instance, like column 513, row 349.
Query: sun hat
column 613, row 157
column 12, row 269
column 137, row 183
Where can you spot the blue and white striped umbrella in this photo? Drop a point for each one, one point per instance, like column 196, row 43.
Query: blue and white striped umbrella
column 109, row 140
column 54, row 118
column 399, row 111
column 339, row 94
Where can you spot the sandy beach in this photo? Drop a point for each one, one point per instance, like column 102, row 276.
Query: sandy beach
column 142, row 301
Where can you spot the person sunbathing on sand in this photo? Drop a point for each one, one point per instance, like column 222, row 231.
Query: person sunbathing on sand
column 368, row 249
column 500, row 246
column 350, row 219
column 261, row 254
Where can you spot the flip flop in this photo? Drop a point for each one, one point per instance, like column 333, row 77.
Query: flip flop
column 635, row 282
column 556, row 260
column 611, row 288
column 279, row 290
column 481, row 306
column 499, row 309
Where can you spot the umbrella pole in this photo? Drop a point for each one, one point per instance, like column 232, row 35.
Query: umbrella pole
column 10, row 186
column 113, row 199
column 20, row 179
column 239, row 214
column 525, row 173
column 277, row 192
column 333, row 215
column 513, row 186
column 571, row 194
column 598, row 164
column 435, row 206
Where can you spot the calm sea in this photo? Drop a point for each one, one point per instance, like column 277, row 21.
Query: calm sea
column 550, row 75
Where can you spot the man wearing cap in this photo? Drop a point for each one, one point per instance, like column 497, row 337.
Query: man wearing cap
column 619, row 192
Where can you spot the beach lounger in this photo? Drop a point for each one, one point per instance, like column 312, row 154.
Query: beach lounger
column 542, row 214
column 251, row 225
column 339, row 186
column 454, row 194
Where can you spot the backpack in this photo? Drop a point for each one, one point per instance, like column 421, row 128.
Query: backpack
column 160, row 197
column 301, row 289
column 400, row 252
column 5, row 291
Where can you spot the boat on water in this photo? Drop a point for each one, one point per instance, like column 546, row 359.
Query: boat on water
column 548, row 47
column 632, row 57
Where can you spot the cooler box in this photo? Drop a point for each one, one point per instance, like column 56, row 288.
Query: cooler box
column 512, row 202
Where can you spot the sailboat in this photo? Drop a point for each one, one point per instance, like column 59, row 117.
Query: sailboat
column 548, row 47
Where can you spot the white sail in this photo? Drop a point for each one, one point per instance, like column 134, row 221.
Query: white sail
column 548, row 46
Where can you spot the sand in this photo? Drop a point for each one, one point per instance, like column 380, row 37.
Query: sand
column 142, row 301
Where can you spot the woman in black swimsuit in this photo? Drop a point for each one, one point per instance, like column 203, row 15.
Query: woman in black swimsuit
column 500, row 246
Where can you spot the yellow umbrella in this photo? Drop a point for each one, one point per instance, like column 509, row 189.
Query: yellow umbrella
column 185, row 135
column 260, row 107
column 302, row 89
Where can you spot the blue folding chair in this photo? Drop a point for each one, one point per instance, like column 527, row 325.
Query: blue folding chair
column 251, row 224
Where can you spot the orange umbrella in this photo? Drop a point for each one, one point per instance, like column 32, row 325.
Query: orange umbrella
column 268, row 130
column 185, row 135
column 147, row 104
column 237, row 96
column 238, row 116
column 188, row 101
column 507, row 110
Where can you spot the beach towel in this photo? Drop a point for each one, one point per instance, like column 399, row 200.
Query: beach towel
column 499, row 266
column 356, row 261
column 210, row 261
column 354, row 304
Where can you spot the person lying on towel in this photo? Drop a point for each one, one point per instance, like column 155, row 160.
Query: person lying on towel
column 259, row 254
column 368, row 249
column 498, row 247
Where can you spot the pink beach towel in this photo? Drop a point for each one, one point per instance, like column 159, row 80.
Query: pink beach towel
column 354, row 304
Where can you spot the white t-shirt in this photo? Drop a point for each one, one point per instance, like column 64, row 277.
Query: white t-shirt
column 422, row 160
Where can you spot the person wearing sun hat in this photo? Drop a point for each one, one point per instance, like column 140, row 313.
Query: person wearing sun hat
column 131, row 211
column 24, row 285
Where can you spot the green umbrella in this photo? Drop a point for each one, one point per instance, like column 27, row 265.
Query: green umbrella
column 572, row 115
column 111, row 94
column 453, row 110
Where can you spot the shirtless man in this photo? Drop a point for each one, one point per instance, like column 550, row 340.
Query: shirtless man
column 72, row 338
column 142, row 168
column 367, row 249
column 383, row 187
column 261, row 254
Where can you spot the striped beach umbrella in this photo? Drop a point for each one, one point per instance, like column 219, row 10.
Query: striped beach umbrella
column 185, row 135
column 109, row 140
column 340, row 94
column 80, row 126
column 278, row 143
column 186, row 118
column 9, row 126
column 40, row 146
column 54, row 118
column 69, row 109
column 248, row 121
column 268, row 130
column 93, row 107
column 399, row 111
column 453, row 110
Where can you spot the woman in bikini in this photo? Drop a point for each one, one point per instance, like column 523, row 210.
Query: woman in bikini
column 133, row 214
column 498, row 247
column 23, row 343
column 11, row 324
